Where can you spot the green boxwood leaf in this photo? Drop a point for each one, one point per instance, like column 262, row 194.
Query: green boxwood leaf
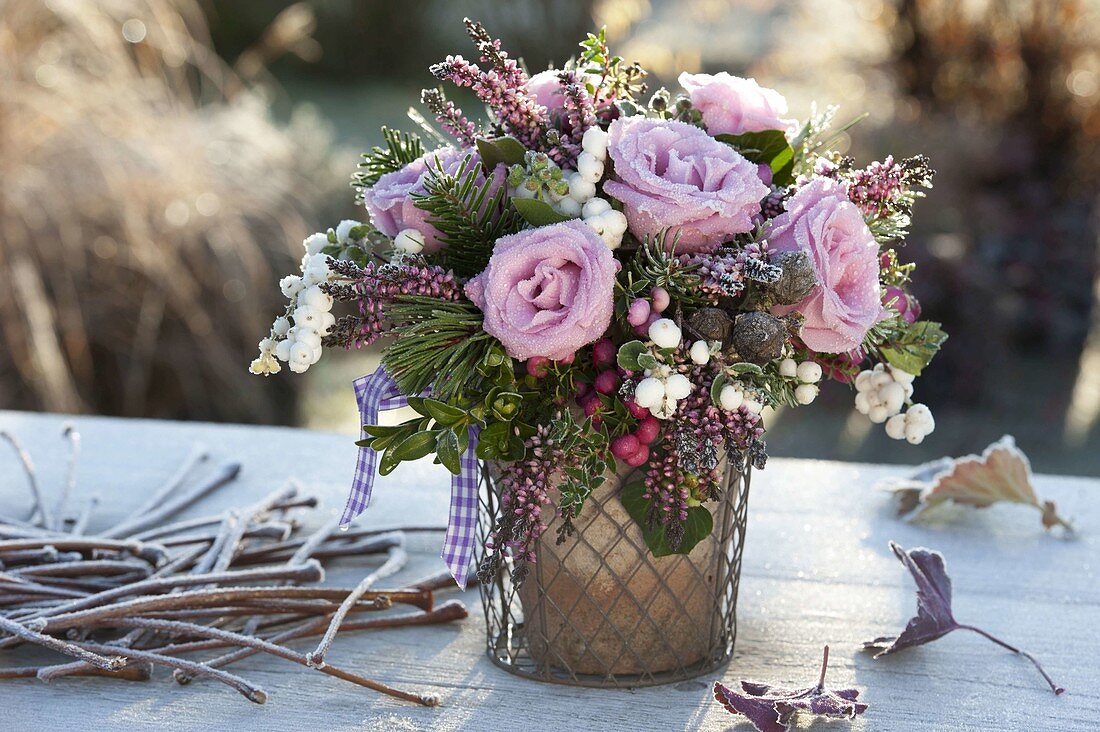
column 415, row 446
column 767, row 147
column 699, row 522
column 446, row 449
column 538, row 213
column 746, row 368
column 507, row 150
column 648, row 361
column 629, row 353
column 443, row 413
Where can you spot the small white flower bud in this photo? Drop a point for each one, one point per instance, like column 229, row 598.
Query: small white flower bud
column 409, row 241
column 895, row 427
column 700, row 353
column 788, row 367
column 809, row 372
column 677, row 387
column 314, row 243
column 731, row 397
column 291, row 285
column 343, row 229
column 805, row 393
column 595, row 207
column 664, row 333
column 649, row 392
column 590, row 168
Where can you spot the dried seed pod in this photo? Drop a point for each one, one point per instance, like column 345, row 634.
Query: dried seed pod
column 758, row 337
column 798, row 278
column 710, row 324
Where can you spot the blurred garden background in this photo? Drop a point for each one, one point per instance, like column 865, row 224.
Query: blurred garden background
column 161, row 161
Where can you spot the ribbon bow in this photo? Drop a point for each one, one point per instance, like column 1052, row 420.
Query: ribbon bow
column 378, row 391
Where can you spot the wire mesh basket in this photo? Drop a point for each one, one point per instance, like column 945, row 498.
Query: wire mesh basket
column 600, row 610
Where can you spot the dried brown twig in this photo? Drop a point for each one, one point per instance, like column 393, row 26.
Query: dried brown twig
column 145, row 592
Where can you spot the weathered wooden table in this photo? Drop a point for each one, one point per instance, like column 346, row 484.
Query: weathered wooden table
column 817, row 570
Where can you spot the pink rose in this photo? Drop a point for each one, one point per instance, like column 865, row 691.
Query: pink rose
column 546, row 89
column 732, row 105
column 547, row 291
column 671, row 175
column 846, row 302
column 390, row 200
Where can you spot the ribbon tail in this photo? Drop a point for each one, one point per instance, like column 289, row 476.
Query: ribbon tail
column 372, row 392
column 461, row 536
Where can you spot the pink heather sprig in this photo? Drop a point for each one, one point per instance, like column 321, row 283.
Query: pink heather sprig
column 450, row 117
column 524, row 493
column 577, row 115
column 882, row 187
column 516, row 110
column 489, row 51
column 375, row 286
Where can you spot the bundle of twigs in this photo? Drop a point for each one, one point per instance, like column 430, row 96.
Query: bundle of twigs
column 145, row 593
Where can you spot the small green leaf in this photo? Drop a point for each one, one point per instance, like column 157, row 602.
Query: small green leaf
column 697, row 527
column 494, row 441
column 746, row 368
column 381, row 430
column 415, row 446
column 538, row 213
column 444, row 413
column 446, row 449
column 913, row 351
column 629, row 353
column 648, row 361
column 359, row 233
column 766, row 147
column 507, row 150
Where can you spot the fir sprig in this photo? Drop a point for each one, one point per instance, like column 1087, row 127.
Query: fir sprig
column 401, row 149
column 470, row 214
column 439, row 346
column 656, row 264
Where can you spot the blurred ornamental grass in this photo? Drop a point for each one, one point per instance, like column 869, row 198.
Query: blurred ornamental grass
column 147, row 201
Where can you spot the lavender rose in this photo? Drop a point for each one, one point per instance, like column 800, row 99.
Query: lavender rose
column 390, row 200
column 547, row 291
column 732, row 105
column 846, row 302
column 673, row 175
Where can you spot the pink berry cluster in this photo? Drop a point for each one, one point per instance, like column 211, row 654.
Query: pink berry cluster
column 642, row 312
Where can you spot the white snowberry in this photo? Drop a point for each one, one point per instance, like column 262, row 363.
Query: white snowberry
column 649, row 392
column 731, row 397
column 282, row 350
column 595, row 207
column 594, row 142
column 895, row 427
column 409, row 241
column 700, row 353
column 590, row 168
column 281, row 325
column 878, row 414
column 343, row 229
column 788, row 368
column 308, row 337
column 753, row 405
column 664, row 333
column 581, row 190
column 805, row 393
column 902, row 377
column 892, row 396
column 569, row 207
column 809, row 372
column 314, row 298
column 677, row 387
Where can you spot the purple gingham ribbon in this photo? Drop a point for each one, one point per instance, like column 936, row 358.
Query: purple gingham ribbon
column 376, row 392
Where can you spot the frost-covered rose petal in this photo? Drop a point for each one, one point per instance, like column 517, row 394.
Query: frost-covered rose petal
column 546, row 87
column 845, row 303
column 547, row 291
column 733, row 105
column 673, row 175
column 390, row 200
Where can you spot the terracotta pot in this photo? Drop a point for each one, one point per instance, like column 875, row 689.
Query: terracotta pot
column 601, row 604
